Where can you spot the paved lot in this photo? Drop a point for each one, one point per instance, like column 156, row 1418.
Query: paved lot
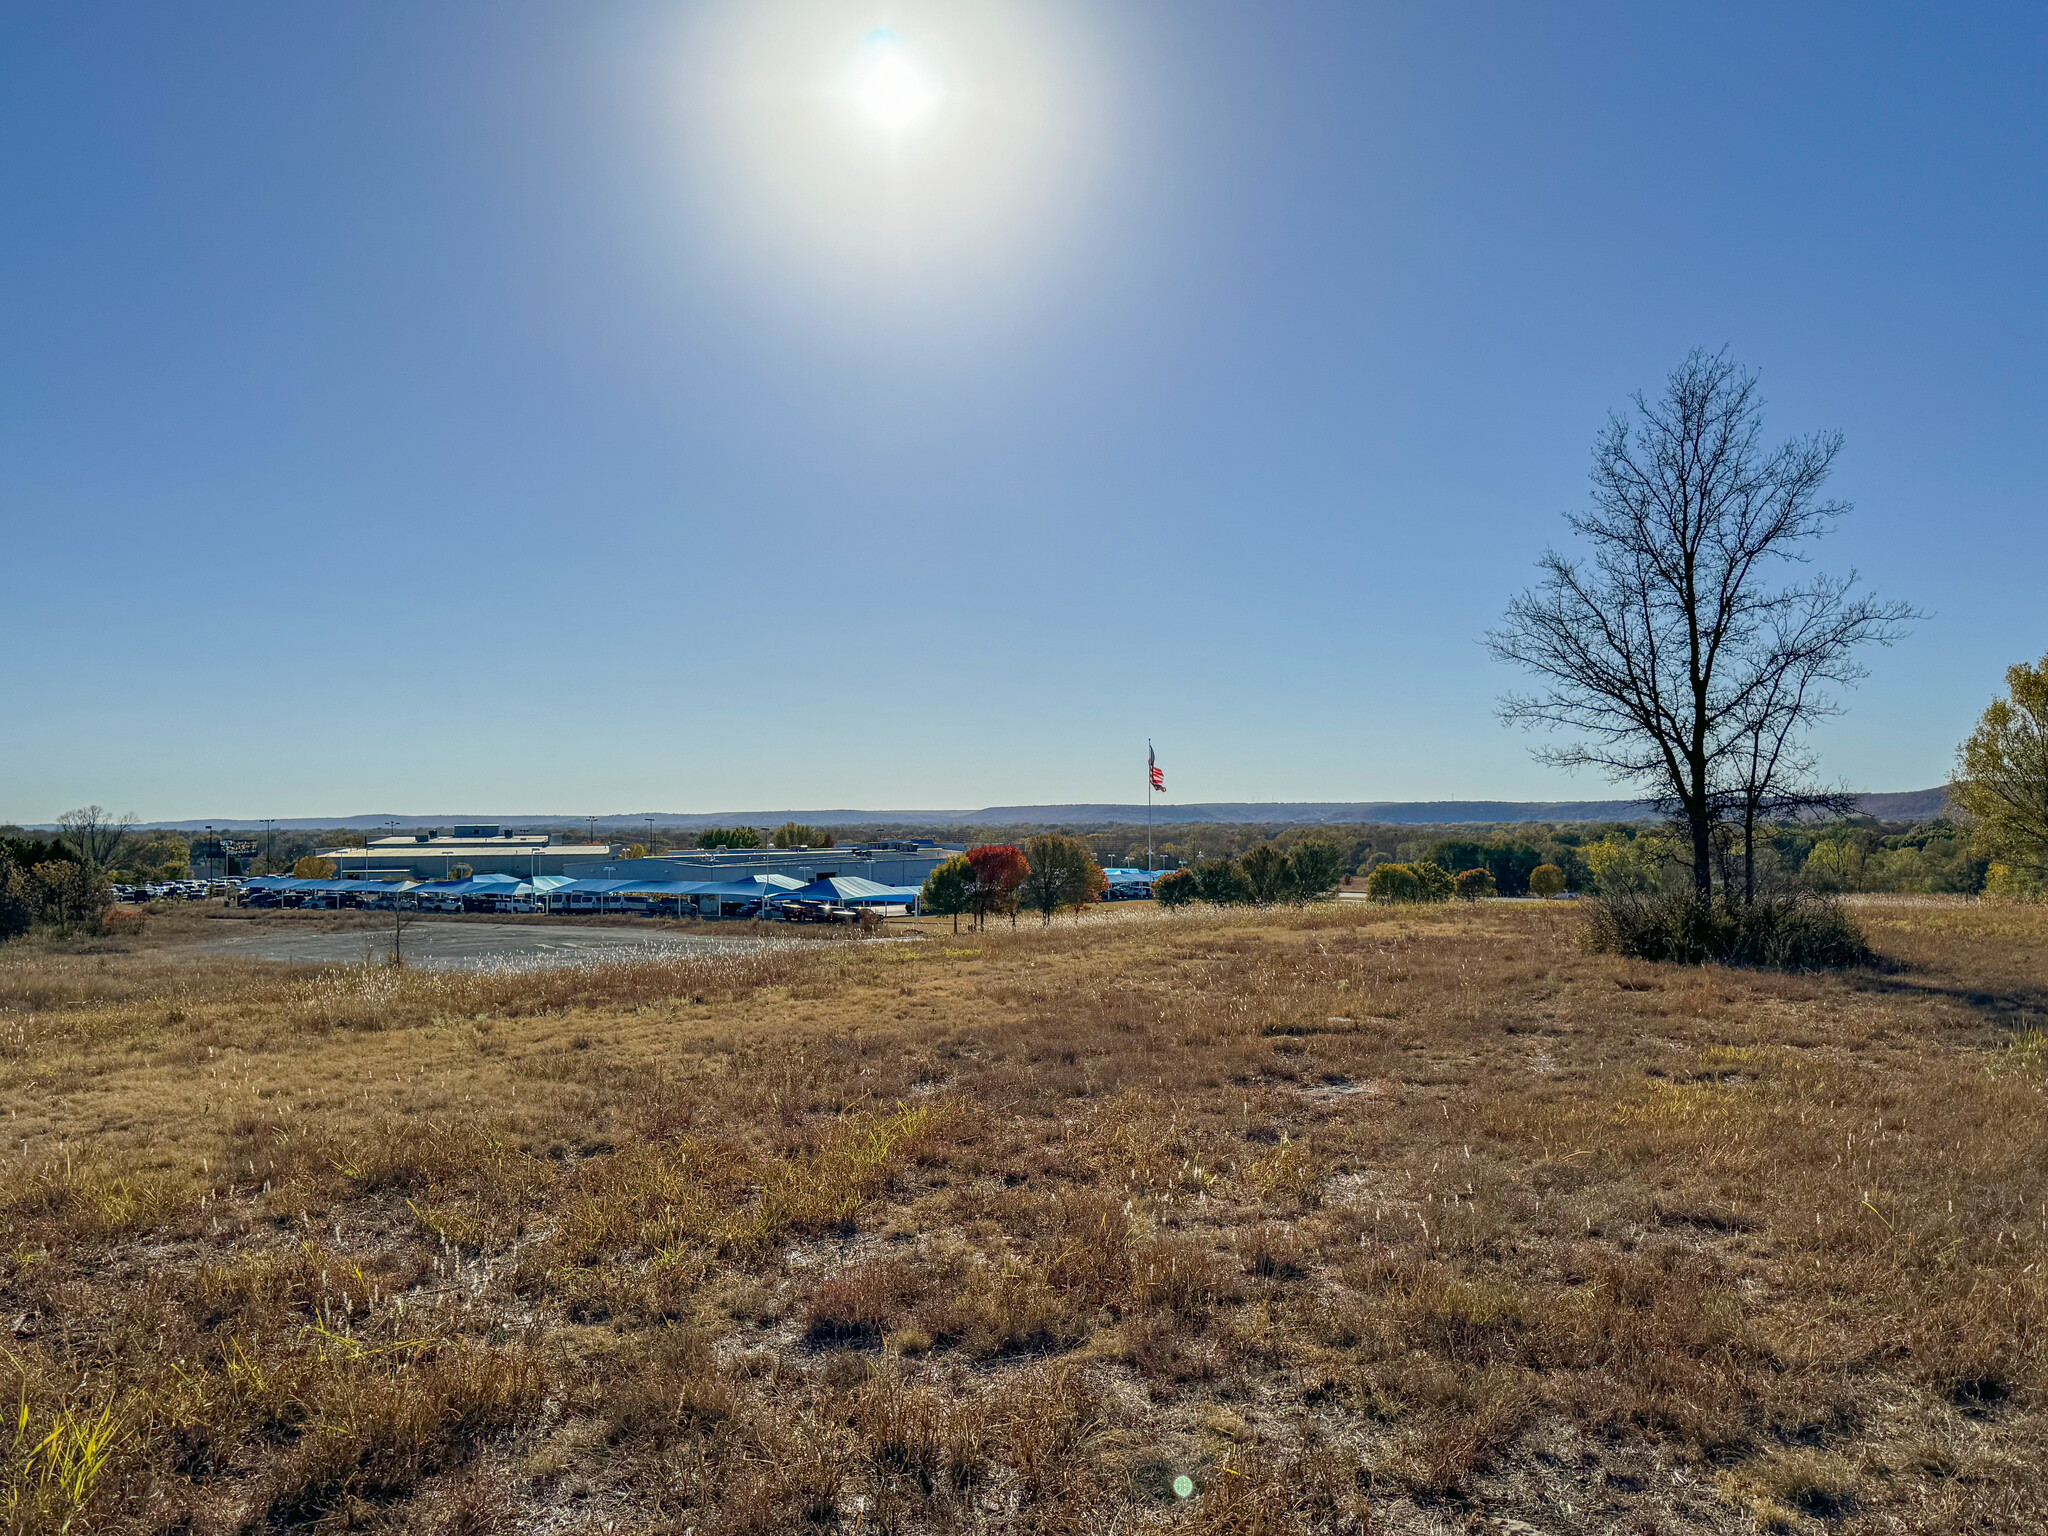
column 465, row 946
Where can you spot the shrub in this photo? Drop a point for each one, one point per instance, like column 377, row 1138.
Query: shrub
column 1794, row 933
column 1313, row 870
column 1393, row 882
column 1265, row 871
column 1175, row 888
column 1546, row 880
column 1222, row 883
column 66, row 891
column 17, row 903
column 1422, row 881
column 1621, row 864
column 2001, row 880
column 1475, row 883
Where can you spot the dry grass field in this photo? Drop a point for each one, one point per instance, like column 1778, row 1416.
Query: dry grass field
column 1354, row 1219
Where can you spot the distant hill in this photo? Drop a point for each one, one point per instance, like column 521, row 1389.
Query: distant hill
column 1907, row 805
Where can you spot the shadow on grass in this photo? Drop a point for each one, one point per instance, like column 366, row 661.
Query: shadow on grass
column 2013, row 1005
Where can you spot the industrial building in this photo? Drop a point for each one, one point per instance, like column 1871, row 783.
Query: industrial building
column 490, row 850
column 892, row 864
column 472, row 850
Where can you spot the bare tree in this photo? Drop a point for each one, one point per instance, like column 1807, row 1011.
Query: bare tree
column 1668, row 650
column 1771, row 774
column 95, row 835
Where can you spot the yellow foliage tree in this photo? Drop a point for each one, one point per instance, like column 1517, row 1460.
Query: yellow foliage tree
column 2002, row 775
column 313, row 867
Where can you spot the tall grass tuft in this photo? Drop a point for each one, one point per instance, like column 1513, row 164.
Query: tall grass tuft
column 1788, row 933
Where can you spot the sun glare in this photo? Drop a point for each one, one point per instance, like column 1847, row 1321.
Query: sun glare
column 939, row 147
column 888, row 88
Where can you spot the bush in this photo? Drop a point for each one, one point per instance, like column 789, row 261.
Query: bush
column 1793, row 933
column 1475, row 883
column 17, row 902
column 1265, row 871
column 1222, row 883
column 1546, row 880
column 1175, row 888
column 1423, row 881
column 2008, row 883
column 1314, row 870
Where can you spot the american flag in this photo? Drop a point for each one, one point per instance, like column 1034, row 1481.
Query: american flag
column 1152, row 766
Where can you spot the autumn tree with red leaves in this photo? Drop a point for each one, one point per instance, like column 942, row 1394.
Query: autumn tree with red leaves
column 999, row 868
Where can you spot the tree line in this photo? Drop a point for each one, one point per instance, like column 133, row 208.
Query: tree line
column 66, row 880
column 1049, row 874
column 1309, row 870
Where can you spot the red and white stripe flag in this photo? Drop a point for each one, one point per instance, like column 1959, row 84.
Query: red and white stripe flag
column 1152, row 765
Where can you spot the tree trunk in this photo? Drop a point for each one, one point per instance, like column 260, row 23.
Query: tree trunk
column 1749, row 853
column 1702, row 854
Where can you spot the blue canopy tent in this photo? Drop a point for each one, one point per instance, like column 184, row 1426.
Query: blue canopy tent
column 732, row 898
column 620, row 895
column 477, row 893
column 852, row 891
column 1130, row 884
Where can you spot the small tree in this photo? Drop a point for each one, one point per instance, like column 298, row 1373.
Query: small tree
column 949, row 890
column 999, row 868
column 70, row 891
column 313, row 867
column 1472, row 884
column 795, row 835
column 1174, row 889
column 1314, row 870
column 2002, row 776
column 637, row 851
column 1546, row 880
column 1063, row 875
column 1393, row 882
column 1221, row 883
column 17, row 900
column 1435, row 880
column 1265, row 871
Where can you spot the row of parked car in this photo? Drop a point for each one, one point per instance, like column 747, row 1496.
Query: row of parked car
column 176, row 890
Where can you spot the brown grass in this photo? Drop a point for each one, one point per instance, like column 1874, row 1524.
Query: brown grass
column 1356, row 1219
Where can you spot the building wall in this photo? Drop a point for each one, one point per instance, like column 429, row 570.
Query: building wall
column 425, row 862
column 889, row 867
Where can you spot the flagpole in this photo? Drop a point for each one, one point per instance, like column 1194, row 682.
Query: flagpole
column 1148, row 807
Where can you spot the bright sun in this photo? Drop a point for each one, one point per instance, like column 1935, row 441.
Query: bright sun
column 888, row 88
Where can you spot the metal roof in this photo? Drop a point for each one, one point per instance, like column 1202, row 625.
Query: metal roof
column 851, row 890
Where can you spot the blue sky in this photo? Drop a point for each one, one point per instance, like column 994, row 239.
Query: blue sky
column 523, row 408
